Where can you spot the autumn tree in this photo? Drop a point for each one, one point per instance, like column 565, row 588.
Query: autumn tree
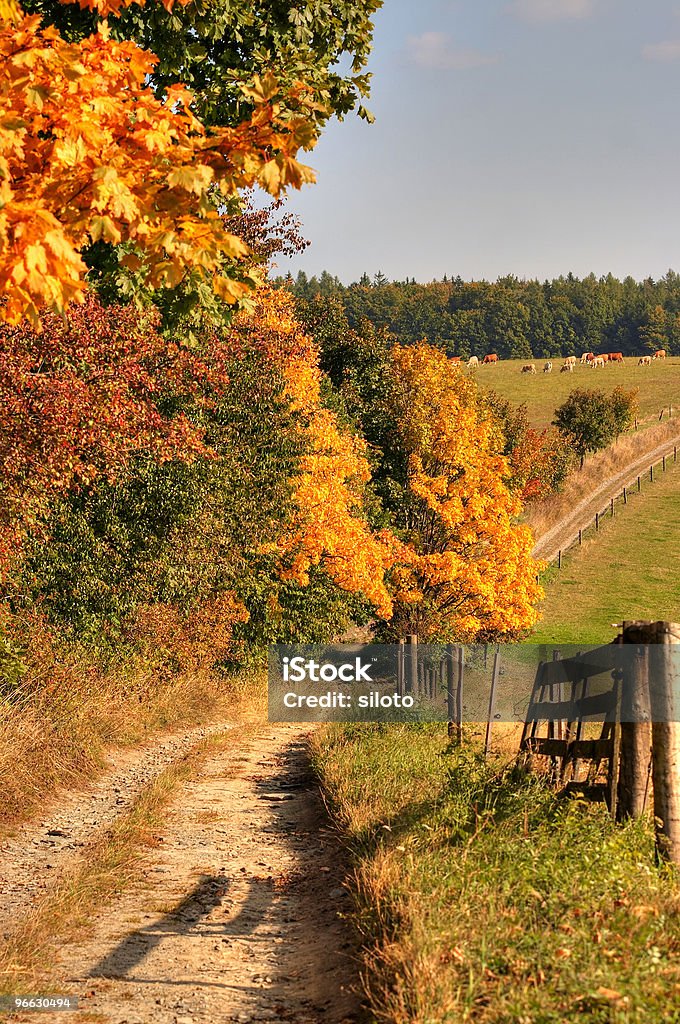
column 539, row 460
column 79, row 400
column 107, row 158
column 264, row 520
column 214, row 49
column 464, row 569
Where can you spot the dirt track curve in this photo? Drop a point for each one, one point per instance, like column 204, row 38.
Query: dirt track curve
column 239, row 914
column 563, row 533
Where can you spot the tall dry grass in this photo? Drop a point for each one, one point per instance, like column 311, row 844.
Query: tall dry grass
column 58, row 720
column 580, row 484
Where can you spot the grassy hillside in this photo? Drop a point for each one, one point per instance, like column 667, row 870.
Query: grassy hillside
column 659, row 384
column 484, row 897
column 627, row 571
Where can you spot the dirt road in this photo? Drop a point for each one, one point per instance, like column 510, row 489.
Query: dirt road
column 239, row 914
column 39, row 850
column 582, row 514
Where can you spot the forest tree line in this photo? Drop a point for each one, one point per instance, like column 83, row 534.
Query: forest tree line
column 517, row 319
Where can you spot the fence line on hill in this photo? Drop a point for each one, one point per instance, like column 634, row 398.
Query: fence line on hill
column 634, row 486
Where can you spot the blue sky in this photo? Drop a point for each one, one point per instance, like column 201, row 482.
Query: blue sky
column 532, row 137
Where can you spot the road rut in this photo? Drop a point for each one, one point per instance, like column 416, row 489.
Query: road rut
column 240, row 913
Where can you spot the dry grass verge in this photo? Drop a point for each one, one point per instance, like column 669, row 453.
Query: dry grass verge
column 482, row 896
column 543, row 516
column 56, row 724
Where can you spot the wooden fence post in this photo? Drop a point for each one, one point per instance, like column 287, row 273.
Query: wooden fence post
column 651, row 474
column 625, row 496
column 580, row 538
column 559, row 559
column 492, row 698
column 412, row 683
column 597, row 520
column 665, row 706
column 459, row 692
column 454, row 692
column 636, row 730
column 639, row 484
column 450, row 692
column 401, row 660
column 611, row 506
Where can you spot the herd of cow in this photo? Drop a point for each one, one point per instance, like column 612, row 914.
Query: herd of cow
column 587, row 359
column 590, row 359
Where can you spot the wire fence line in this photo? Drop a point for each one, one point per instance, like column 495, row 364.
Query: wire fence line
column 634, row 486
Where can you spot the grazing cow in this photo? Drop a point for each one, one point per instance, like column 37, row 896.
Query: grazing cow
column 547, row 368
column 597, row 362
column 473, row 361
column 660, row 353
column 567, row 368
column 615, row 357
column 587, row 357
column 491, row 357
column 529, row 368
column 571, row 359
column 645, row 361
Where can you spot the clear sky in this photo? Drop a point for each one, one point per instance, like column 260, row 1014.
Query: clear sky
column 526, row 137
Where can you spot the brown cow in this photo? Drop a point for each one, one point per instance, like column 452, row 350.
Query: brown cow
column 491, row 358
column 604, row 357
column 587, row 357
column 529, row 368
column 616, row 357
column 454, row 359
column 660, row 353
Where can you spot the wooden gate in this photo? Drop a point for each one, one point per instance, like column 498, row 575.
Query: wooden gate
column 568, row 697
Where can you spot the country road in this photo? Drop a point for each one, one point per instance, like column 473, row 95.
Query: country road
column 582, row 514
column 237, row 915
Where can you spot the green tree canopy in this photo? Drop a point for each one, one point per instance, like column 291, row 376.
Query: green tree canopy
column 591, row 419
column 213, row 47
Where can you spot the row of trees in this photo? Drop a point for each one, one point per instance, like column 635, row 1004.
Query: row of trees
column 191, row 466
column 256, row 487
column 516, row 319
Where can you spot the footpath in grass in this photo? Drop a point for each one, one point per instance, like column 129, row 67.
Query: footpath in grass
column 626, row 571
column 659, row 384
column 482, row 896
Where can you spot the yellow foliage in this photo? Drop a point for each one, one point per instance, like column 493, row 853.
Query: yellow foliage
column 328, row 527
column 87, row 152
column 464, row 569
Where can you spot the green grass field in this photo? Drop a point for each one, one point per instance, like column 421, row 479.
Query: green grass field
column 659, row 384
column 628, row 571
column 482, row 896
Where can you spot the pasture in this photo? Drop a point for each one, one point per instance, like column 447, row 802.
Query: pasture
column 659, row 384
column 628, row 570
